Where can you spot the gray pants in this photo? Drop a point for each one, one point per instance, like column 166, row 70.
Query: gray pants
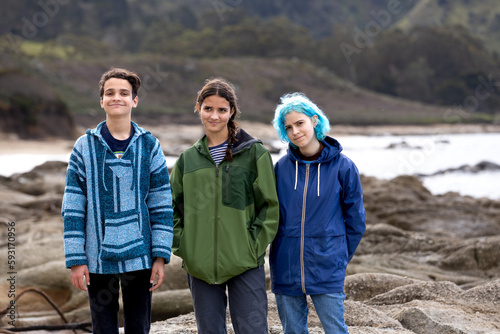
column 247, row 303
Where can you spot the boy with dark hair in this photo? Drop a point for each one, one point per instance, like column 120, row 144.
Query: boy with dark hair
column 117, row 211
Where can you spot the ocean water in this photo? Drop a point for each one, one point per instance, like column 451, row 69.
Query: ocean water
column 388, row 156
column 384, row 157
column 24, row 162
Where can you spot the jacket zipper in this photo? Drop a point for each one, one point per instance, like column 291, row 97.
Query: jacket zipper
column 302, row 223
column 227, row 183
column 215, row 222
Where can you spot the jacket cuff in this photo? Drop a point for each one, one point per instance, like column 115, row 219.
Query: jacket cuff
column 165, row 255
column 72, row 263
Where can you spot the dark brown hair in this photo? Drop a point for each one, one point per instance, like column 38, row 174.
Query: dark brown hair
column 224, row 89
column 120, row 73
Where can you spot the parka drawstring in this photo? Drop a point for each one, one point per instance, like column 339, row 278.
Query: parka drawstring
column 319, row 166
column 297, row 173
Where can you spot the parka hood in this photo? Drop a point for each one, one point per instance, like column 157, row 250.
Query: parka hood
column 331, row 149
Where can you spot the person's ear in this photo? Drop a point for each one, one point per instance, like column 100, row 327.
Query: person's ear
column 315, row 120
column 135, row 101
column 197, row 107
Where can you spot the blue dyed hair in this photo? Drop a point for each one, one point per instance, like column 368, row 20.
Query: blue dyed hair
column 300, row 103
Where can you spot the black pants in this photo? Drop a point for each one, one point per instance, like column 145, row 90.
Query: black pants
column 103, row 298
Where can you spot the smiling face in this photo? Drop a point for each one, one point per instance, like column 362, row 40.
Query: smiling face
column 300, row 131
column 215, row 112
column 117, row 98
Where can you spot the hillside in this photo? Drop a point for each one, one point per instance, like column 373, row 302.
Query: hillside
column 480, row 18
column 170, row 86
column 98, row 19
column 326, row 50
column 102, row 20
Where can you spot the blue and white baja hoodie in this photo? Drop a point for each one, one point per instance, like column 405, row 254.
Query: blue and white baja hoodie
column 117, row 212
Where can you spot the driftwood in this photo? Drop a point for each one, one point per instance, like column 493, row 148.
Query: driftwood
column 85, row 326
column 81, row 326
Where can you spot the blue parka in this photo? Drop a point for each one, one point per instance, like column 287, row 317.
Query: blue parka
column 322, row 220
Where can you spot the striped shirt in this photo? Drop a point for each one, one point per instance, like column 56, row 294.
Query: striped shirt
column 218, row 152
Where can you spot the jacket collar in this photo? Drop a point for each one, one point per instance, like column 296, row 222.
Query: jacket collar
column 331, row 149
column 243, row 141
column 97, row 131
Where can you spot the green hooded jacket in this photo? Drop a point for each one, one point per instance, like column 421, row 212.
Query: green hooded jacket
column 224, row 216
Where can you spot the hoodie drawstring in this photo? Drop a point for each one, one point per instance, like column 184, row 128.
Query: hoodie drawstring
column 297, row 172
column 103, row 166
column 319, row 166
column 134, row 162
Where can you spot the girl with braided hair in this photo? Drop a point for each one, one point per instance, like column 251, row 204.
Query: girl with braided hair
column 225, row 215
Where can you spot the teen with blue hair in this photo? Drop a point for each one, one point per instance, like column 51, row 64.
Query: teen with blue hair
column 300, row 103
column 322, row 218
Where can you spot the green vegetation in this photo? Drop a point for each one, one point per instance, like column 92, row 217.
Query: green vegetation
column 436, row 53
column 47, row 49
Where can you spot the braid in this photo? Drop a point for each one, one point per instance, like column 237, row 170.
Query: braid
column 232, row 127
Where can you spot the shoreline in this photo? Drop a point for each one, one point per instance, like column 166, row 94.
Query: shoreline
column 431, row 129
column 188, row 134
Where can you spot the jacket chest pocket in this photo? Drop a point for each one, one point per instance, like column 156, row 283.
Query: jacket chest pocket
column 237, row 186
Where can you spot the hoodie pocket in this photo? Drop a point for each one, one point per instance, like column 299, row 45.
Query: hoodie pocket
column 122, row 239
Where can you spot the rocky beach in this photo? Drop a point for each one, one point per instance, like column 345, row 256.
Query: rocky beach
column 426, row 264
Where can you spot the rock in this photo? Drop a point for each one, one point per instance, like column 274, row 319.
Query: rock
column 52, row 278
column 440, row 318
column 488, row 292
column 50, row 177
column 479, row 167
column 43, row 249
column 175, row 275
column 361, row 287
column 358, row 314
column 473, row 255
column 169, row 304
column 47, row 203
column 420, row 291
